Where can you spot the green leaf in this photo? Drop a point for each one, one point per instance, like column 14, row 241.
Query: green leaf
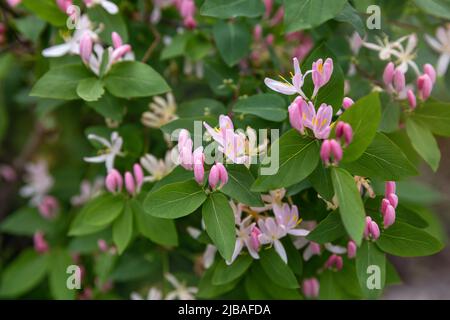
column 320, row 179
column 23, row 274
column 351, row 16
column 108, row 106
column 177, row 46
column 438, row 8
column 382, row 160
column 351, row 206
column 60, row 260
column 266, row 106
column 238, row 187
column 295, row 152
column 123, row 229
column 404, row 240
column 31, row 27
column 175, row 200
column 225, row 9
column 233, row 41
column 25, row 221
column 60, row 82
column 435, row 116
column 328, row 230
column 424, row 143
column 219, row 223
column 47, row 10
column 369, row 255
column 132, row 79
column 104, row 209
column 90, row 89
column 224, row 273
column 201, row 107
column 364, row 117
column 110, row 23
column 159, row 230
column 178, row 174
column 206, row 290
column 277, row 271
column 333, row 92
column 306, row 14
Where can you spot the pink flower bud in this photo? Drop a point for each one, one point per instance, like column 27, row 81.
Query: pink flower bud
column 336, row 151
column 129, row 183
column 13, row 3
column 199, row 160
column 278, row 17
column 367, row 227
column 190, row 22
column 213, row 178
column 315, row 248
column 254, row 238
column 116, row 40
column 388, row 74
column 393, row 200
column 389, row 187
column 348, row 134
column 389, row 216
column 48, row 207
column 270, row 39
column 223, row 174
column 86, row 47
column 40, row 245
column 347, row 103
column 351, row 249
column 425, row 86
column 64, row 4
column 257, row 33
column 334, row 262
column 384, row 204
column 311, row 288
column 399, row 80
column 268, row 4
column 340, row 129
column 114, row 181
column 325, row 152
column 430, row 71
column 120, row 52
column 102, row 245
column 138, row 175
column 411, row 99
column 374, row 230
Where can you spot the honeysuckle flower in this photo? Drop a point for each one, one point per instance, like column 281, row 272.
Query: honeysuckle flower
column 275, row 197
column 429, row 70
column 40, row 244
column 158, row 168
column 38, row 182
column 313, row 248
column 310, row 288
column 199, row 160
column 424, row 86
column 405, row 56
column 399, row 80
column 351, row 249
column 161, row 111
column 185, row 145
column 286, row 87
column 441, row 44
column 187, row 10
column 111, row 150
column 252, row 148
column 218, row 176
column 388, row 74
column 371, row 229
column 153, row 294
column 321, row 121
column 345, row 131
column 331, row 152
column 347, row 103
column 244, row 239
column 412, row 101
column 181, row 291
column 88, row 191
column 48, row 207
column 301, row 114
column 237, row 211
column 109, row 6
column 209, row 256
column 334, row 262
column 364, row 184
column 287, row 217
column 271, row 233
column 321, row 74
column 72, row 43
column 388, row 216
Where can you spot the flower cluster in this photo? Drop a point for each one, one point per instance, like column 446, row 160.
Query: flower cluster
column 389, row 204
column 133, row 181
column 331, row 151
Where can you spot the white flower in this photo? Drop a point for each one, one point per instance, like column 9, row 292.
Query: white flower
column 275, row 197
column 252, row 147
column 181, row 292
column 243, row 239
column 109, row 6
column 159, row 168
column 112, row 149
column 38, row 182
column 287, row 217
column 209, row 256
column 405, row 56
column 271, row 233
column 162, row 111
column 72, row 44
column 88, row 191
column 441, row 44
column 153, row 294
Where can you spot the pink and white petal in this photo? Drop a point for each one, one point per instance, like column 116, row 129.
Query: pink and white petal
column 110, row 7
column 280, row 250
column 97, row 159
column 436, row 45
column 280, row 87
column 209, row 255
column 442, row 64
column 299, row 232
column 237, row 249
column 441, row 35
column 213, row 133
column 335, row 249
column 307, row 254
column 57, row 51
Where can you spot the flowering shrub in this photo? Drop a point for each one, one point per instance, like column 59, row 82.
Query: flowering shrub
column 150, row 151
